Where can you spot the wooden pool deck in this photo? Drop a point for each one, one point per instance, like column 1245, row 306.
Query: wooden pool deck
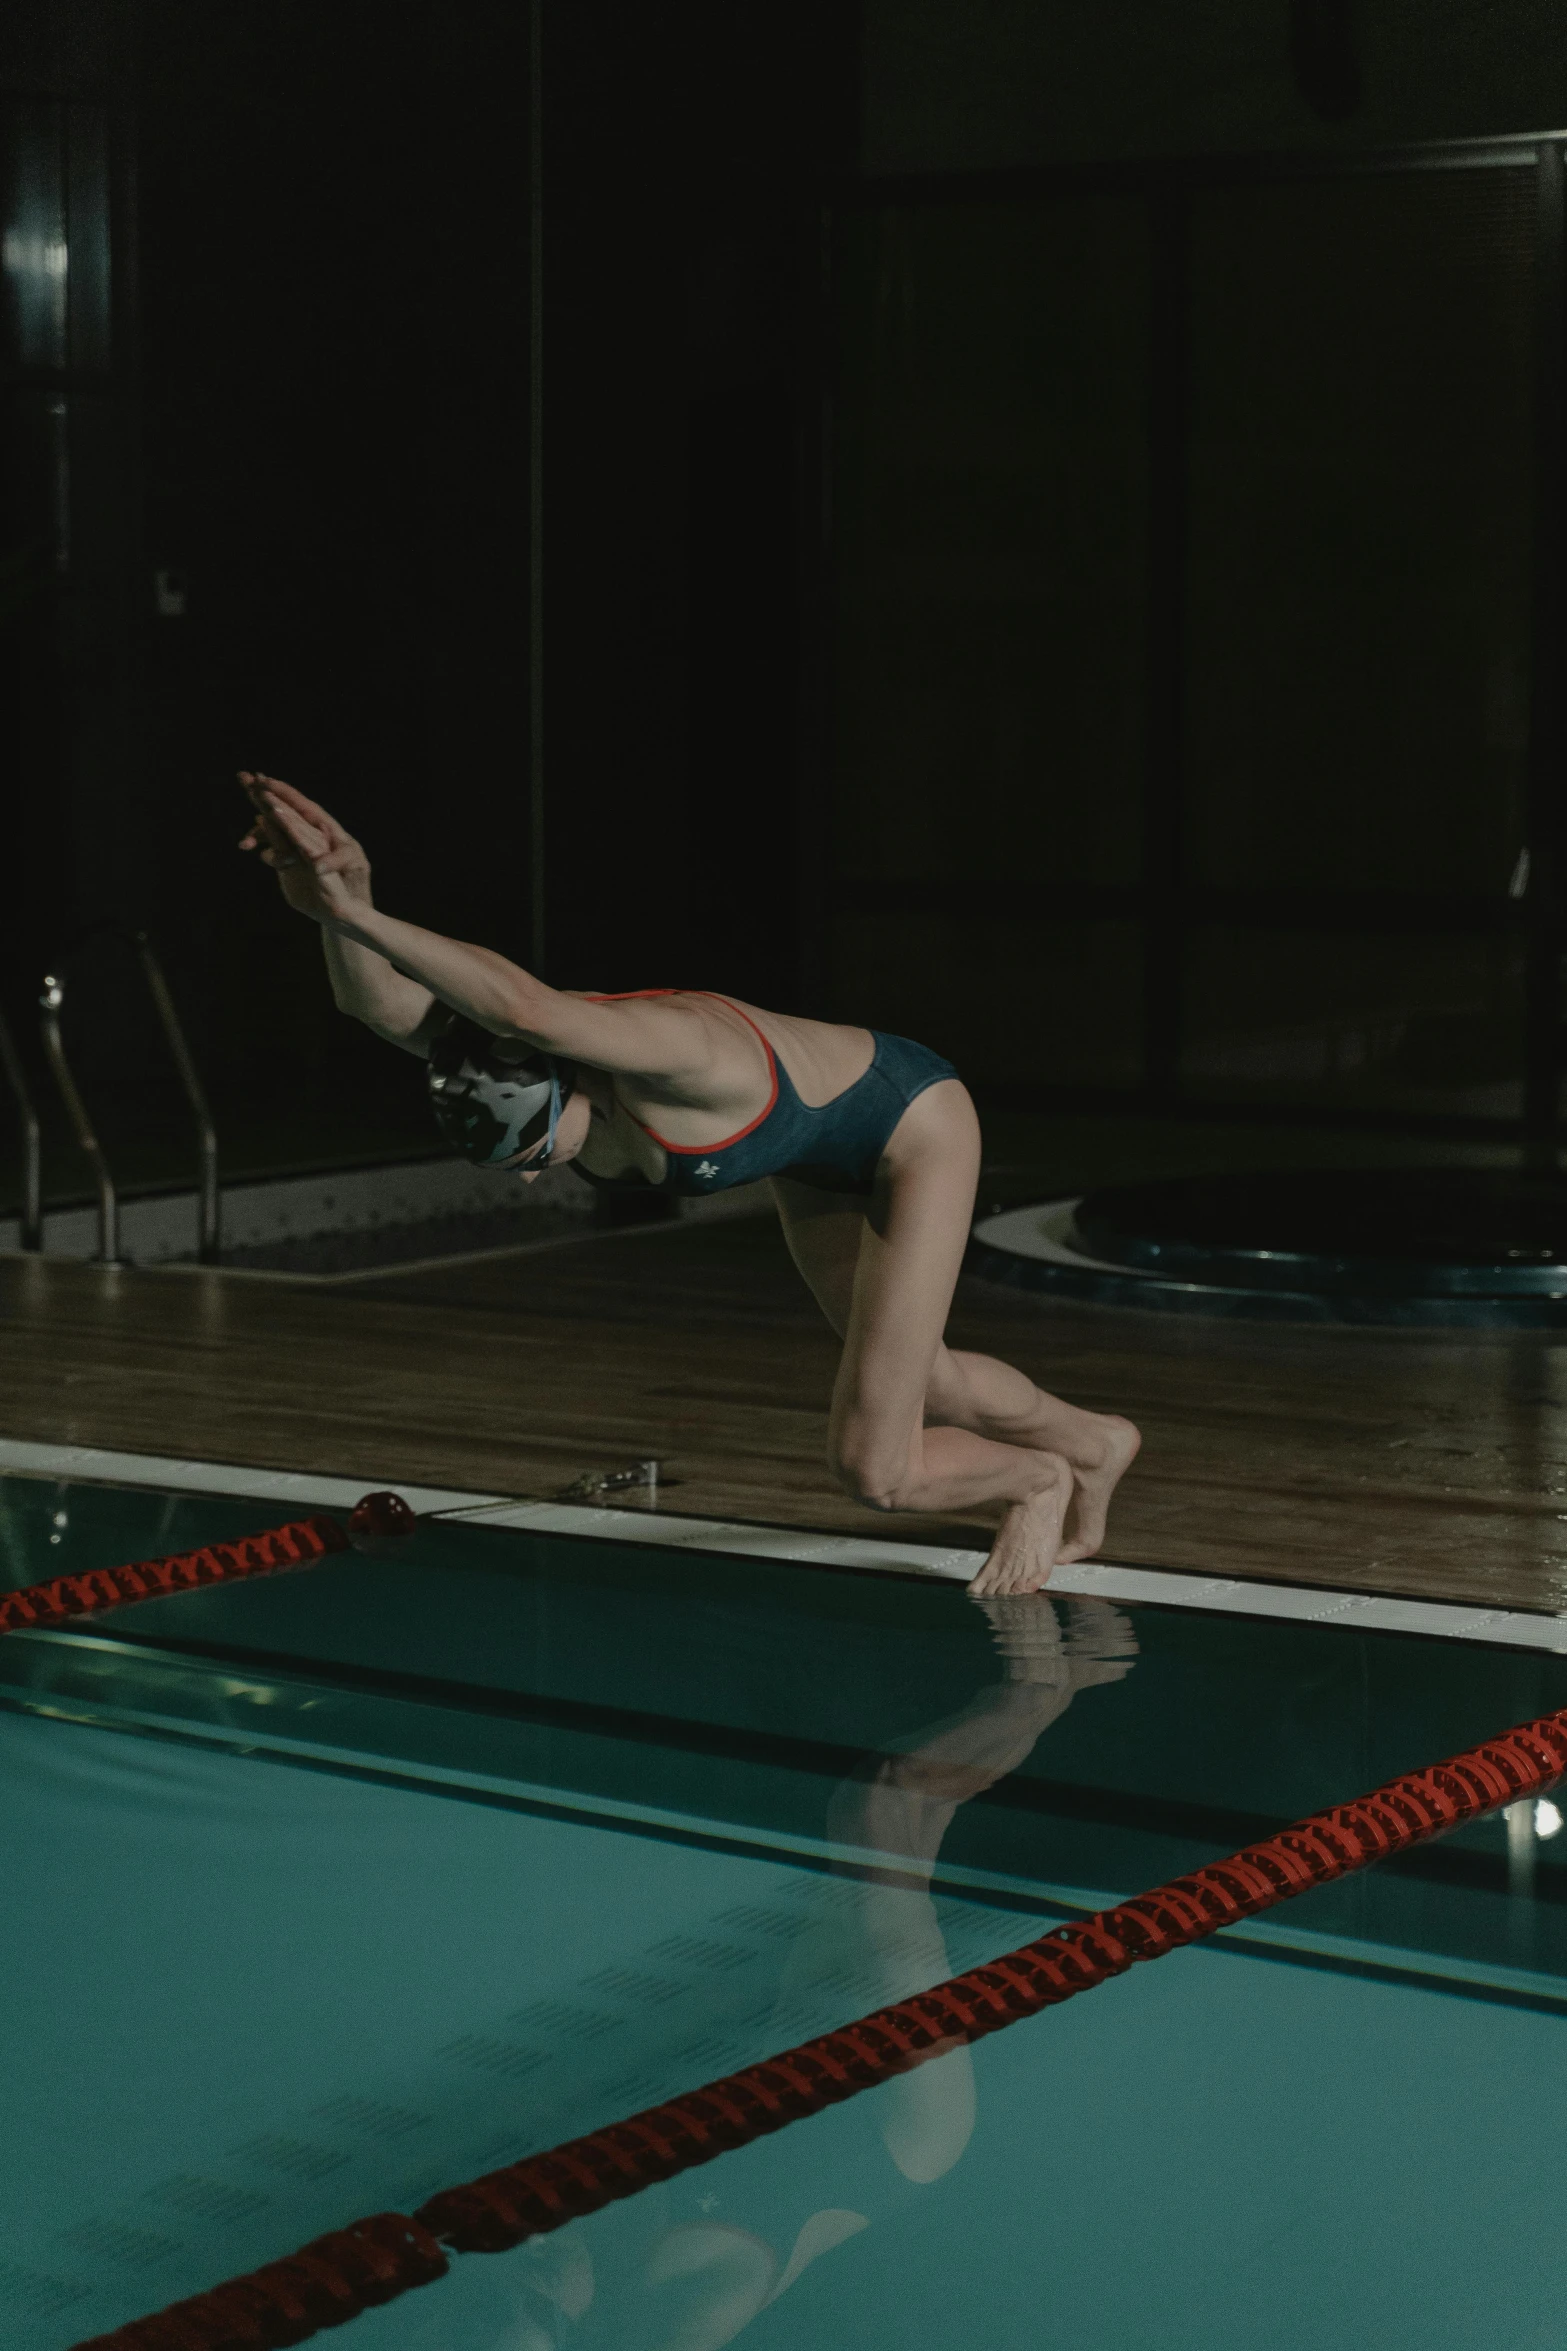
column 1430, row 1464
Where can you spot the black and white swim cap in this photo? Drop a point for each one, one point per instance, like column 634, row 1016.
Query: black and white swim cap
column 491, row 1101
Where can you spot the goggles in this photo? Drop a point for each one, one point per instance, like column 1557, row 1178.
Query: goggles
column 488, row 1107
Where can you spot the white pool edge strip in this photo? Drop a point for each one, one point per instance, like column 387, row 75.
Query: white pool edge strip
column 311, row 1490
column 734, row 1538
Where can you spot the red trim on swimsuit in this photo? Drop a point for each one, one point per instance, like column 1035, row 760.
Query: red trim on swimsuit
column 700, row 1150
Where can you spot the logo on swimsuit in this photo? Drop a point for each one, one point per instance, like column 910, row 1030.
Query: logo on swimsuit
column 706, row 1167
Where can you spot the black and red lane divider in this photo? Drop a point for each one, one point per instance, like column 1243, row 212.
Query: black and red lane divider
column 376, row 1523
column 338, row 2276
column 299, row 1544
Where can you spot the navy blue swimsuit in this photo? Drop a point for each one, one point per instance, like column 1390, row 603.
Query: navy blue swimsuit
column 836, row 1147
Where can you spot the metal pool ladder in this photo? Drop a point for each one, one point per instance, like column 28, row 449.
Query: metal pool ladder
column 51, row 1004
column 32, row 1140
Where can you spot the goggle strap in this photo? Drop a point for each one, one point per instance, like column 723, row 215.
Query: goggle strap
column 548, row 1151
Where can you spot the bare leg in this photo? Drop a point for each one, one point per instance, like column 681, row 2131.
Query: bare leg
column 885, row 1281
column 978, row 1392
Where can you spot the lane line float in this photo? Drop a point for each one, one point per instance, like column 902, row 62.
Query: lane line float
column 377, row 1522
column 334, row 2278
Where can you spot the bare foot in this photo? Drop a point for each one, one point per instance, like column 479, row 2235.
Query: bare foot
column 1028, row 1542
column 1115, row 1443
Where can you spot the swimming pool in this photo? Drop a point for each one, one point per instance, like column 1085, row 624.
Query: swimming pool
column 331, row 1892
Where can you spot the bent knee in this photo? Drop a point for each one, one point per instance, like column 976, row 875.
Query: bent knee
column 948, row 1400
column 871, row 1475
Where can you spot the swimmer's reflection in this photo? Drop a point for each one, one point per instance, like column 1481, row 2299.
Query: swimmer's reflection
column 905, row 1806
column 872, row 1935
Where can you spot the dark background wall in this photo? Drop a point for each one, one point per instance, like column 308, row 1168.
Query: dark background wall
column 1010, row 83
column 312, row 425
column 333, row 344
column 1196, row 453
column 684, row 147
column 318, row 555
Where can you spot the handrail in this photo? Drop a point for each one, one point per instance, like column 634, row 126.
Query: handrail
column 209, row 1245
column 32, row 1141
column 49, row 1003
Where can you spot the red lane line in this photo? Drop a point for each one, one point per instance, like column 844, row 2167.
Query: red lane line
column 299, row 1544
column 375, row 2260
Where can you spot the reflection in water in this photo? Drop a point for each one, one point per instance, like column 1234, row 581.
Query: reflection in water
column 670, row 2270
column 906, row 1807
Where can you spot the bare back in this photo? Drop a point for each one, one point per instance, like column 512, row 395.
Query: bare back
column 822, row 1059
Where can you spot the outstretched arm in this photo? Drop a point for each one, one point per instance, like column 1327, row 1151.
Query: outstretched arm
column 394, row 976
column 364, row 984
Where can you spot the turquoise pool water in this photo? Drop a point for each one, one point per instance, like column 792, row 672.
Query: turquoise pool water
column 329, row 1892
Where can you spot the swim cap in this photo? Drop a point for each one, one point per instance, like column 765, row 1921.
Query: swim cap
column 489, row 1104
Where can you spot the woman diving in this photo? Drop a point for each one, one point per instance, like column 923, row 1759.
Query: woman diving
column 870, row 1143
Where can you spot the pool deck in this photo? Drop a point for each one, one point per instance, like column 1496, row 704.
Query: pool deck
column 1429, row 1464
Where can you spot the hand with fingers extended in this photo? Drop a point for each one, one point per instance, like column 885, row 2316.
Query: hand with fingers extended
column 321, row 870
